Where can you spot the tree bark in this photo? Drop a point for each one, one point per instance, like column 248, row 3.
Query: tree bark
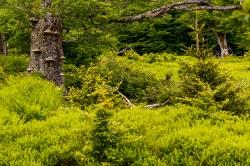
column 46, row 46
column 222, row 41
column 3, row 47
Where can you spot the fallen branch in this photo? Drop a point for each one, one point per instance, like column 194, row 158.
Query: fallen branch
column 152, row 106
column 157, row 104
column 126, row 100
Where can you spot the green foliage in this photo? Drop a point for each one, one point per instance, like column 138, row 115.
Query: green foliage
column 206, row 86
column 87, row 46
column 14, row 24
column 14, row 64
column 163, row 34
column 2, row 76
column 35, row 131
column 181, row 136
column 93, row 89
column 61, row 139
column 207, row 72
column 102, row 137
column 30, row 97
column 164, row 57
column 70, row 77
column 231, row 99
column 246, row 5
column 171, row 135
column 87, row 33
column 135, row 84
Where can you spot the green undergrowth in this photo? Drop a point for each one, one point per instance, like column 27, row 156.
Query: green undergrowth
column 177, row 135
column 238, row 67
column 30, row 97
column 61, row 139
column 39, row 127
column 13, row 64
column 181, row 135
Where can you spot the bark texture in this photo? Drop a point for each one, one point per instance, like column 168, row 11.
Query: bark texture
column 222, row 41
column 46, row 46
column 3, row 47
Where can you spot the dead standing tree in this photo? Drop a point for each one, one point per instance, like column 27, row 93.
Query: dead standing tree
column 46, row 45
column 222, row 41
column 187, row 5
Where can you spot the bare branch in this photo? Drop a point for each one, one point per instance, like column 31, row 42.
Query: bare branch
column 186, row 5
column 216, row 8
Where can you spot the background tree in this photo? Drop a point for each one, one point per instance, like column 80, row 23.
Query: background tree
column 46, row 44
column 3, row 48
column 159, row 35
column 192, row 5
column 84, row 26
column 51, row 21
column 14, row 25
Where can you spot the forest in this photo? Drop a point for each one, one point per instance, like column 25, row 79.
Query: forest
column 124, row 82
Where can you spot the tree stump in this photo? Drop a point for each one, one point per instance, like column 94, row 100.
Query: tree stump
column 46, row 46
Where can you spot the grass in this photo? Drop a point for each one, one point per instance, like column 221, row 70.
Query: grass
column 239, row 67
column 160, row 69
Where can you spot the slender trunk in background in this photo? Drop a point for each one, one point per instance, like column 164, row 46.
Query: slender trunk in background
column 46, row 46
column 222, row 41
column 3, row 47
column 197, row 31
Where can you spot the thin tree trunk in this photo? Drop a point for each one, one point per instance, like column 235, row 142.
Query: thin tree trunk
column 197, row 34
column 46, row 46
column 3, row 47
column 222, row 41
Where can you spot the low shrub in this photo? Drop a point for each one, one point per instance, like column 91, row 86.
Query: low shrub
column 228, row 97
column 164, row 92
column 134, row 83
column 30, row 97
column 207, row 72
column 71, row 77
column 180, row 135
column 61, row 139
column 164, row 57
column 103, row 139
column 94, row 89
column 206, row 86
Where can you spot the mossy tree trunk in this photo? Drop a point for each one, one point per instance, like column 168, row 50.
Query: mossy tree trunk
column 46, row 46
column 3, row 47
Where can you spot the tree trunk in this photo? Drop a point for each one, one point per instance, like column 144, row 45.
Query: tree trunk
column 197, row 31
column 3, row 48
column 222, row 41
column 46, row 46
